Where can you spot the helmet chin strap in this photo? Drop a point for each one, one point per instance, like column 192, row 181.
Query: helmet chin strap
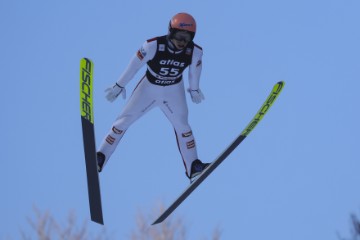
column 172, row 46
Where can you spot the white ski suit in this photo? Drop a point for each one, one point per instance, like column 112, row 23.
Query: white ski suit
column 162, row 87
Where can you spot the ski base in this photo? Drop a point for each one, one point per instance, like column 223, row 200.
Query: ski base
column 92, row 173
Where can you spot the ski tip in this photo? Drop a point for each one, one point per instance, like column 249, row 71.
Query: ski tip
column 279, row 86
column 86, row 59
column 282, row 82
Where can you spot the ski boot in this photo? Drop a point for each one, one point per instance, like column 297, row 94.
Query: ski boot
column 197, row 167
column 100, row 160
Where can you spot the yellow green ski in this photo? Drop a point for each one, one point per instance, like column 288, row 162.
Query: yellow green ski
column 87, row 121
column 259, row 115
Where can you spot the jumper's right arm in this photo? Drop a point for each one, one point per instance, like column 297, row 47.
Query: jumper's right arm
column 142, row 56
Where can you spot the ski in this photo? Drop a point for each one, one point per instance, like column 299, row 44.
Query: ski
column 87, row 121
column 259, row 115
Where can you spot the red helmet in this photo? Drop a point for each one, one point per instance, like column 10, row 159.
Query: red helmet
column 182, row 22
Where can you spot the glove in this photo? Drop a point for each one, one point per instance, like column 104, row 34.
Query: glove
column 113, row 92
column 196, row 95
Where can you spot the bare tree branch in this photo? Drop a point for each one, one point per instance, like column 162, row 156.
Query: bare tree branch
column 355, row 229
column 46, row 227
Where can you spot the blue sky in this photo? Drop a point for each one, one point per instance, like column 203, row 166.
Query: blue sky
column 295, row 177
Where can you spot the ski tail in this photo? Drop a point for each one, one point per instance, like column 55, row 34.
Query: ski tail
column 257, row 118
column 87, row 121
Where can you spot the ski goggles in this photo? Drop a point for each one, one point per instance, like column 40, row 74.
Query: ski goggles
column 182, row 36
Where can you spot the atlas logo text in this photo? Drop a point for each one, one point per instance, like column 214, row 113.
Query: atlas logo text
column 172, row 63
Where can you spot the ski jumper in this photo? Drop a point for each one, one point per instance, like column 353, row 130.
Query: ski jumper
column 162, row 87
